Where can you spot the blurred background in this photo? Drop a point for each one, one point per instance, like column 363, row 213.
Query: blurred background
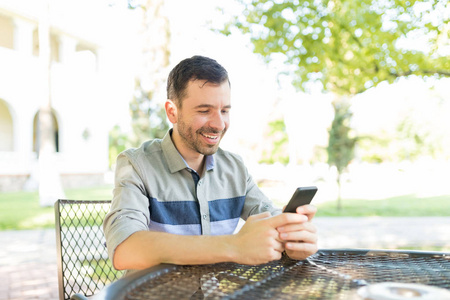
column 351, row 96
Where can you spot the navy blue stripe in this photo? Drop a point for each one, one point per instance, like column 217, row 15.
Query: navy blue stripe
column 174, row 212
column 225, row 209
column 188, row 212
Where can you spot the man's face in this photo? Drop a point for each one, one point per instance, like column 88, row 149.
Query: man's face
column 203, row 117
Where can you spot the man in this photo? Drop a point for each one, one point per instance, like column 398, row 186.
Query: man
column 178, row 200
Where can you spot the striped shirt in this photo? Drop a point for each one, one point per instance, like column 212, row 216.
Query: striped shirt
column 156, row 190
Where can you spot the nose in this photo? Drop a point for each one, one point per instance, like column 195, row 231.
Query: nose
column 218, row 121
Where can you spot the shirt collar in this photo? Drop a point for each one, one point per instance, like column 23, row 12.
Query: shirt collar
column 209, row 162
column 174, row 159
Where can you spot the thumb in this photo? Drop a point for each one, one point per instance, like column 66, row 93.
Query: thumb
column 260, row 216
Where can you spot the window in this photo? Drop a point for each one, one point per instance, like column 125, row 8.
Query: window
column 37, row 134
column 6, row 128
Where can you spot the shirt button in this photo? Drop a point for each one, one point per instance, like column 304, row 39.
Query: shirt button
column 204, row 217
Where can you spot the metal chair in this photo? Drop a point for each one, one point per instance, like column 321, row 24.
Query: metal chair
column 83, row 264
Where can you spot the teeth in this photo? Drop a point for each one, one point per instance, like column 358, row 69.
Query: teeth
column 210, row 136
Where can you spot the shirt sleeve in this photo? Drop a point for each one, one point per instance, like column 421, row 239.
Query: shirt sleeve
column 256, row 201
column 129, row 212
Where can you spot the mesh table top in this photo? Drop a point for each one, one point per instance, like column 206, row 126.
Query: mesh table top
column 329, row 274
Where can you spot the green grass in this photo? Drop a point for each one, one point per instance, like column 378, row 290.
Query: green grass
column 21, row 210
column 101, row 270
column 402, row 206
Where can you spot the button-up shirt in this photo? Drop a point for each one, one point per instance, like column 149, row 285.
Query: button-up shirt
column 156, row 190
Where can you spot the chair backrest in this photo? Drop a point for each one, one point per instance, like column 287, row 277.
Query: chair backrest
column 83, row 264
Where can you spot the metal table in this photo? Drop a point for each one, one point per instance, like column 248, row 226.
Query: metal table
column 329, row 274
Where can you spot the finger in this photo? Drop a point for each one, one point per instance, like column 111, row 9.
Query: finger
column 308, row 226
column 299, row 236
column 294, row 226
column 286, row 218
column 279, row 246
column 308, row 210
column 300, row 250
column 276, row 254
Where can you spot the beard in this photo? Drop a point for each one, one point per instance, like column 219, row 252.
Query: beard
column 193, row 139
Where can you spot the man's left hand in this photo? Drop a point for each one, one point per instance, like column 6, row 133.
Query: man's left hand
column 300, row 239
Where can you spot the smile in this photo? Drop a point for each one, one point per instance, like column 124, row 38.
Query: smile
column 209, row 136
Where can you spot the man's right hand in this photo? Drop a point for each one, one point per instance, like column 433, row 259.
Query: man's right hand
column 258, row 240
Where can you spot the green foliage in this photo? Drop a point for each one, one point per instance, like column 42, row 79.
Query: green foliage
column 414, row 141
column 279, row 142
column 118, row 142
column 410, row 141
column 375, row 148
column 148, row 122
column 148, row 118
column 349, row 46
column 341, row 143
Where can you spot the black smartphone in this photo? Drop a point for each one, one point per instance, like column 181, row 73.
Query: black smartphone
column 302, row 196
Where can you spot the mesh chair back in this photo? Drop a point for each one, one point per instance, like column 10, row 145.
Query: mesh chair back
column 83, row 264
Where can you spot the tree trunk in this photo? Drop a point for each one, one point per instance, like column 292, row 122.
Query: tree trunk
column 339, row 200
column 155, row 37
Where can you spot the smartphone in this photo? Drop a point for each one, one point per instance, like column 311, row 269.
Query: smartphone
column 302, row 196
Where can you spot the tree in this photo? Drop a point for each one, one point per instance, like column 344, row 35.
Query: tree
column 347, row 46
column 118, row 142
column 350, row 46
column 341, row 143
column 278, row 151
column 148, row 117
column 147, row 114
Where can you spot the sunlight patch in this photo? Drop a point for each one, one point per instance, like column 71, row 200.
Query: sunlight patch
column 47, row 219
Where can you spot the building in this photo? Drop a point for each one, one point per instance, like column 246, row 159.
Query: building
column 87, row 96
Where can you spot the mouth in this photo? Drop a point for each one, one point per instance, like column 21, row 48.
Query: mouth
column 208, row 136
column 211, row 138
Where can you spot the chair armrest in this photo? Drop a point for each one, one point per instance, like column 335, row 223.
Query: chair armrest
column 78, row 297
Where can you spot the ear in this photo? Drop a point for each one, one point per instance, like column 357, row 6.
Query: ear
column 171, row 111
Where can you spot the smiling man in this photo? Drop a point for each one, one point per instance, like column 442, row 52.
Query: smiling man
column 179, row 199
column 200, row 120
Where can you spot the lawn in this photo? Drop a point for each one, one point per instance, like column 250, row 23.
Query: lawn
column 21, row 210
column 401, row 206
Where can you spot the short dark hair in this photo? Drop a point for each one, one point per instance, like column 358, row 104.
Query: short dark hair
column 194, row 68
